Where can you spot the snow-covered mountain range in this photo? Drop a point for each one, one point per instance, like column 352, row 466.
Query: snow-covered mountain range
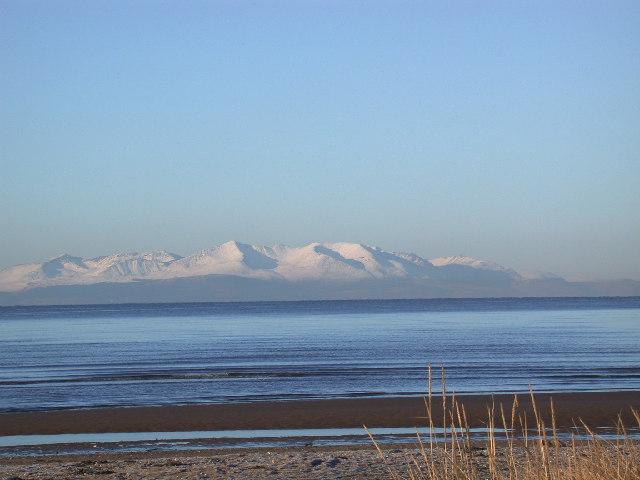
column 316, row 261
column 235, row 270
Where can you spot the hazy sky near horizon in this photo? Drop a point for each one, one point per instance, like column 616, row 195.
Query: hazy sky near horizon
column 508, row 131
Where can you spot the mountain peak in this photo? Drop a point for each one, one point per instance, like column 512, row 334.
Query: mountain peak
column 466, row 261
column 65, row 258
column 231, row 244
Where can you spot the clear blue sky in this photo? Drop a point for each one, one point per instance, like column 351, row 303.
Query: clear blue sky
column 508, row 131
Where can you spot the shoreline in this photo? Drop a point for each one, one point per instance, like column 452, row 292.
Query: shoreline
column 597, row 409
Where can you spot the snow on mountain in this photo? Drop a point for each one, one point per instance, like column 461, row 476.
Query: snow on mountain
column 328, row 261
column 16, row 278
column 70, row 270
column 127, row 265
column 465, row 269
column 316, row 261
column 382, row 264
column 63, row 268
column 469, row 262
column 230, row 258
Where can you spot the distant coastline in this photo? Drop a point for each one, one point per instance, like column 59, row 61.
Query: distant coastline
column 223, row 288
column 338, row 306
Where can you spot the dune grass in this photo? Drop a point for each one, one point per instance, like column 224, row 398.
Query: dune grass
column 514, row 450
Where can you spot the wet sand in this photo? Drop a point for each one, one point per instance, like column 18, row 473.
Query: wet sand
column 598, row 409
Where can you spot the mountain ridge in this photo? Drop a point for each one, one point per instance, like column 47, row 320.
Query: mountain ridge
column 240, row 271
column 317, row 261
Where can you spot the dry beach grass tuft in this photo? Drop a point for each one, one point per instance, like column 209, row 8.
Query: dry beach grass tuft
column 526, row 452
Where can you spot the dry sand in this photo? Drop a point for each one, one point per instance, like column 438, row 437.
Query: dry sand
column 284, row 463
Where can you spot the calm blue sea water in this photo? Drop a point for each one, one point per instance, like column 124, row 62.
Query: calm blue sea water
column 69, row 357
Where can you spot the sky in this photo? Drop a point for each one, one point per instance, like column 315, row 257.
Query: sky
column 507, row 131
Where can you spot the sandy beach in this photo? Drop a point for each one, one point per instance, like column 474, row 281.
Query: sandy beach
column 287, row 463
column 277, row 463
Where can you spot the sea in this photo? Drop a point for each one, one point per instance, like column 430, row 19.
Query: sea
column 63, row 357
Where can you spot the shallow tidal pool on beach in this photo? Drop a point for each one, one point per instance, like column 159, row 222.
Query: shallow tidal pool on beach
column 81, row 444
